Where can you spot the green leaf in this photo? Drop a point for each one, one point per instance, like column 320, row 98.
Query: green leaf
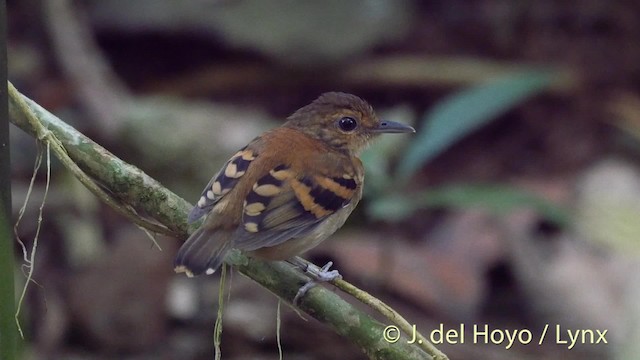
column 466, row 111
column 495, row 198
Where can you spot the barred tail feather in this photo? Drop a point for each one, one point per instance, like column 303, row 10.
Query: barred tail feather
column 203, row 252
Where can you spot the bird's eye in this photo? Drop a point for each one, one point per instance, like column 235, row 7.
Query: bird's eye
column 347, row 124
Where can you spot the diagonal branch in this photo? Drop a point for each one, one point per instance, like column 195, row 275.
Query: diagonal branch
column 127, row 184
column 43, row 134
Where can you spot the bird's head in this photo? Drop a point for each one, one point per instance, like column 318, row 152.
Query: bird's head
column 343, row 121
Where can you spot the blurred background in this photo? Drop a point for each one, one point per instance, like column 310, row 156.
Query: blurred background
column 516, row 204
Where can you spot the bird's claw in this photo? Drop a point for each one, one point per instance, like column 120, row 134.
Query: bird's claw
column 322, row 274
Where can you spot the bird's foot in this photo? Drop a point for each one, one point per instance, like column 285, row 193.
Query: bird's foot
column 318, row 275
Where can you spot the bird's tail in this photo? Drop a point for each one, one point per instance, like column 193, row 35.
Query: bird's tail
column 203, row 252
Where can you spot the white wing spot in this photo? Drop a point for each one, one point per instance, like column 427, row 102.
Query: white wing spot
column 279, row 175
column 210, row 271
column 216, row 188
column 254, row 209
column 251, row 227
column 211, row 195
column 248, row 156
column 266, row 190
column 231, row 171
column 202, row 202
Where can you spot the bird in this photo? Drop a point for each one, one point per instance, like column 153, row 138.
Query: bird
column 287, row 190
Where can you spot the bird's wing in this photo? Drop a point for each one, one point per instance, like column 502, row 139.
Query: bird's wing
column 223, row 182
column 284, row 204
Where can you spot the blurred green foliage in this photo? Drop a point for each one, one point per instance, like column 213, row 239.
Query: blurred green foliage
column 499, row 199
column 449, row 122
column 466, row 111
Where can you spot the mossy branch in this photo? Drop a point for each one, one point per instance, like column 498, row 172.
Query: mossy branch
column 125, row 187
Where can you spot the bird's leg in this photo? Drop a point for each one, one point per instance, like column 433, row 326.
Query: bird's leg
column 317, row 274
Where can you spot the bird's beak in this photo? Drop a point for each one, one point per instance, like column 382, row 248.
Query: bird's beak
column 392, row 127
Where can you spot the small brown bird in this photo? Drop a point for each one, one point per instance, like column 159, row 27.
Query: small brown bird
column 288, row 189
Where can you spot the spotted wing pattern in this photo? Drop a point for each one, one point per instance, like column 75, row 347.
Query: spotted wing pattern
column 222, row 182
column 281, row 206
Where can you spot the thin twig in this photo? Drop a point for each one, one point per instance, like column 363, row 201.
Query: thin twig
column 217, row 328
column 30, row 261
column 279, row 330
column 388, row 312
